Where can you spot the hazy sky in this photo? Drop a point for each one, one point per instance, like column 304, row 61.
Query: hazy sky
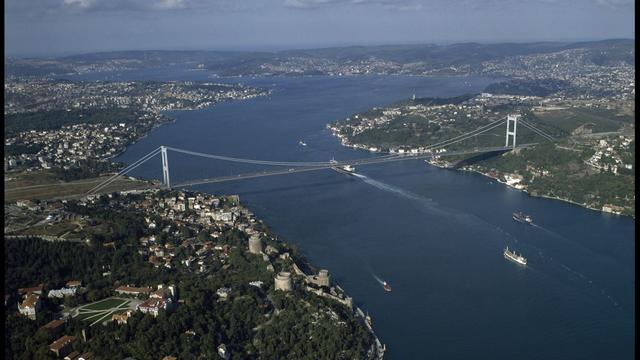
column 37, row 27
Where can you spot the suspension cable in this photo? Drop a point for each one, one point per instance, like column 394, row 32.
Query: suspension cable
column 478, row 131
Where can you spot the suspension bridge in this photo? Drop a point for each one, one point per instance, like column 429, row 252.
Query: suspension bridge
column 433, row 150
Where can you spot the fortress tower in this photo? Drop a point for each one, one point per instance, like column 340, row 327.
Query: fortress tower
column 255, row 244
column 322, row 279
column 283, row 281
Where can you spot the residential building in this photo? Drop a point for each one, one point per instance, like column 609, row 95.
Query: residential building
column 30, row 306
column 62, row 346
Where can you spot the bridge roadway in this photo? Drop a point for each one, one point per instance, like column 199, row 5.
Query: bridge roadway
column 376, row 160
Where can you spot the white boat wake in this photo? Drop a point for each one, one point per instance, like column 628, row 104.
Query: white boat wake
column 404, row 193
column 377, row 279
column 430, row 205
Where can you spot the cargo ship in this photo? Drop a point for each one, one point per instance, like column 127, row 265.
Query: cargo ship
column 511, row 255
column 386, row 286
column 523, row 218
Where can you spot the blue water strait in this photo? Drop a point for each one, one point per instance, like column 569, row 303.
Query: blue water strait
column 435, row 235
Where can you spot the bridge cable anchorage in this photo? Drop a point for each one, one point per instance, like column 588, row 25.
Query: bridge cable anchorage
column 536, row 128
column 465, row 136
column 479, row 130
column 102, row 186
column 538, row 131
column 124, row 171
column 542, row 131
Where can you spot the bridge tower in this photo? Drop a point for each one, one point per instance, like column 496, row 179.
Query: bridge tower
column 165, row 167
column 514, row 119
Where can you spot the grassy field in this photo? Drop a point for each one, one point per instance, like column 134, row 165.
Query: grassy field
column 106, row 304
column 50, row 230
column 102, row 310
column 41, row 185
column 90, row 316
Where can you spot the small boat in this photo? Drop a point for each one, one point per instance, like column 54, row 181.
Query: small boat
column 386, row 286
column 302, row 143
column 368, row 319
column 511, row 255
column 523, row 218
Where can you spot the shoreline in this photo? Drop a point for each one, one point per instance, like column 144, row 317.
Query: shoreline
column 550, row 197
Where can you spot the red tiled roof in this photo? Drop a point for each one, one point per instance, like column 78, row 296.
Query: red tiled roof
column 30, row 301
column 52, row 325
column 61, row 342
column 131, row 289
column 153, row 303
column 86, row 356
column 72, row 356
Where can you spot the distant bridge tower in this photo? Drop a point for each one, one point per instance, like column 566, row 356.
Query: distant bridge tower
column 514, row 119
column 165, row 167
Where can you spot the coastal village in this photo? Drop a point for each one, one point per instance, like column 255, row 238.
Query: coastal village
column 594, row 131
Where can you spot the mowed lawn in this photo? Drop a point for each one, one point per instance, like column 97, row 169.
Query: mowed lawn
column 105, row 304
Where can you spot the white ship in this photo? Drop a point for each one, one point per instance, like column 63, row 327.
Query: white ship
column 345, row 169
column 302, row 143
column 523, row 218
column 511, row 255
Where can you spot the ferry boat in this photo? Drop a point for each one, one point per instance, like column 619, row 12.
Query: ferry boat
column 302, row 143
column 349, row 168
column 345, row 169
column 523, row 218
column 511, row 255
column 386, row 286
